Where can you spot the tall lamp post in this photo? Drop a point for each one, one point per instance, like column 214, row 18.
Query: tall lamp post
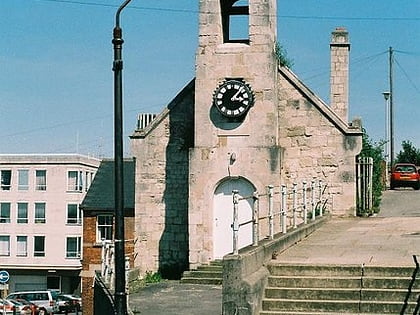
column 387, row 125
column 120, row 297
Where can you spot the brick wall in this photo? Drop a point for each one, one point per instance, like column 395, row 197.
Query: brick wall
column 92, row 256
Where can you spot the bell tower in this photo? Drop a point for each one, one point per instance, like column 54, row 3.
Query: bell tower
column 235, row 117
column 236, row 42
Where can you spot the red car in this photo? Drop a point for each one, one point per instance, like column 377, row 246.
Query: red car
column 405, row 175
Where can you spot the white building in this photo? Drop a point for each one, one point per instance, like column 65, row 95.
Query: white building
column 40, row 219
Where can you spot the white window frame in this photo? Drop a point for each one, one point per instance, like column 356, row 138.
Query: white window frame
column 77, row 254
column 78, row 219
column 40, row 220
column 39, row 253
column 106, row 226
column 6, row 185
column 3, row 217
column 23, row 181
column 75, row 183
column 41, row 180
column 22, row 249
column 20, row 219
column 5, row 249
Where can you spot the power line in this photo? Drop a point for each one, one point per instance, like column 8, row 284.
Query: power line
column 295, row 17
column 407, row 76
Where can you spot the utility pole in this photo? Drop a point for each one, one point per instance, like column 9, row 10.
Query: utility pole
column 391, row 106
column 120, row 297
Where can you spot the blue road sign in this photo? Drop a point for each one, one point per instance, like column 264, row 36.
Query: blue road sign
column 4, row 276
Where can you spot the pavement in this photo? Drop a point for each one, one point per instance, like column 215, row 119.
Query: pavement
column 388, row 239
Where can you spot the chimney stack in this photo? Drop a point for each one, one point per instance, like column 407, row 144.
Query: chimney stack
column 339, row 81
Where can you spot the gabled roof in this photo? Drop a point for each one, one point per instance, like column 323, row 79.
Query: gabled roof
column 100, row 196
column 326, row 110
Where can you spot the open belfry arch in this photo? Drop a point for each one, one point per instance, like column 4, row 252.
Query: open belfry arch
column 243, row 123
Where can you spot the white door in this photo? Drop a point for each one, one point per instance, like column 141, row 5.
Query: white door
column 223, row 216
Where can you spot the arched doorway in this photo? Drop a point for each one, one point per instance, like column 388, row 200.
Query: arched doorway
column 223, row 216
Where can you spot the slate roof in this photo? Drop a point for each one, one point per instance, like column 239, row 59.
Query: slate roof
column 100, row 196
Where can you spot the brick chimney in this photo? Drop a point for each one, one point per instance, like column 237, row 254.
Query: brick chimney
column 339, row 81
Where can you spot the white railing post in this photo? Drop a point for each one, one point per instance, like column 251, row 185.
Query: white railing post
column 320, row 202
column 294, row 190
column 255, row 216
column 270, row 212
column 305, row 203
column 235, row 225
column 283, row 214
column 313, row 199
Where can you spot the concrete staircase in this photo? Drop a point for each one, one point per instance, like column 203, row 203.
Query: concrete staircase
column 335, row 289
column 205, row 274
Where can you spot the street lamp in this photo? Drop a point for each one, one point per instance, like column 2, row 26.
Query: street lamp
column 386, row 95
column 120, row 297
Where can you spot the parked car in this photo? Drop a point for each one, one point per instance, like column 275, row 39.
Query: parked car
column 23, row 307
column 405, row 175
column 6, row 307
column 34, row 309
column 44, row 299
column 75, row 302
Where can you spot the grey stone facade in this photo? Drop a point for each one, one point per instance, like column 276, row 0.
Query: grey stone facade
column 189, row 150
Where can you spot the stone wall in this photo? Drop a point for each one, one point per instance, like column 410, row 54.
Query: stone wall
column 317, row 144
column 161, row 199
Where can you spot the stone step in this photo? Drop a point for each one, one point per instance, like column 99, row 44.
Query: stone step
column 341, row 270
column 342, row 294
column 342, row 282
column 205, row 274
column 338, row 306
column 312, row 313
column 333, row 289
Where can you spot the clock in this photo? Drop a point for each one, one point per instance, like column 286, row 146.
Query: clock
column 233, row 98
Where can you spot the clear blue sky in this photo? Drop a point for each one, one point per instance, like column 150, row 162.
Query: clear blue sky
column 56, row 82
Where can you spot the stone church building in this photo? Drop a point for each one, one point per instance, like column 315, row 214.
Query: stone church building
column 244, row 122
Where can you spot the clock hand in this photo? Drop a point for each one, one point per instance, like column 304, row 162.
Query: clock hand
column 235, row 96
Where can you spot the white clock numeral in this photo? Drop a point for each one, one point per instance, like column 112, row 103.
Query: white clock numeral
column 222, row 90
column 229, row 112
column 245, row 102
column 241, row 109
column 223, row 109
column 236, row 112
column 220, row 96
column 219, row 103
column 229, row 86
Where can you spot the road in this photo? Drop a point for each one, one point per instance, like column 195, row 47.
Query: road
column 401, row 202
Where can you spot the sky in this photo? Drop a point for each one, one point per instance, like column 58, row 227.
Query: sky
column 56, row 79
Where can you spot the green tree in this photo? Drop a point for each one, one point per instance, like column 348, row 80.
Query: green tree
column 375, row 151
column 408, row 154
column 282, row 57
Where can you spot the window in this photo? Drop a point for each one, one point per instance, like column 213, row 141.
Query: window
column 75, row 181
column 4, row 245
column 104, row 227
column 39, row 246
column 53, row 283
column 89, row 179
column 235, row 20
column 6, row 178
column 23, row 179
column 73, row 247
column 74, row 214
column 21, row 246
column 22, row 212
column 40, row 212
column 41, row 180
column 5, row 212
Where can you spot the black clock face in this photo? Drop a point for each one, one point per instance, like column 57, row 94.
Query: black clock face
column 233, row 98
